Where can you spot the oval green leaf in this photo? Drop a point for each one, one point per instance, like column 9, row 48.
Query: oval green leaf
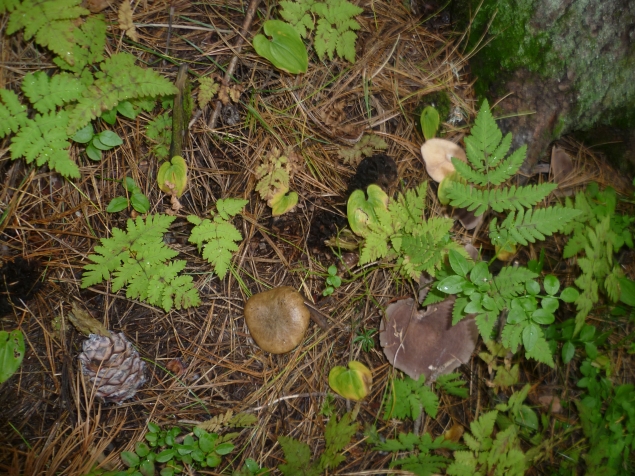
column 140, row 202
column 551, row 284
column 11, row 353
column 531, row 333
column 452, row 284
column 550, row 304
column 117, row 204
column 459, row 264
column 110, row 139
column 165, row 455
column 532, row 287
column 429, row 122
column 130, row 459
column 84, row 135
column 542, row 316
column 353, row 383
column 569, row 294
column 285, row 50
column 93, row 153
column 126, row 109
column 281, row 204
column 568, row 351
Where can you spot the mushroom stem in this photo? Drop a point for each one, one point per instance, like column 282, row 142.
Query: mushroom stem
column 317, row 316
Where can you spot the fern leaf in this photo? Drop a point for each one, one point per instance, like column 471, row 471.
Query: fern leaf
column 58, row 37
column 325, row 39
column 229, row 207
column 208, row 88
column 298, row 15
column 89, row 41
column 44, row 140
column 485, row 323
column 218, row 238
column 138, row 259
column 375, row 247
column 407, row 210
column 511, row 337
column 510, row 281
column 7, row 6
column 32, row 15
column 345, row 46
column 541, row 352
column 13, row 114
column 490, row 175
column 501, row 151
column 533, row 225
column 512, row 198
column 46, row 93
column 119, row 80
column 485, row 134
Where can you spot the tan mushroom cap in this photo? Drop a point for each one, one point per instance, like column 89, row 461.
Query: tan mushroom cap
column 277, row 319
column 437, row 155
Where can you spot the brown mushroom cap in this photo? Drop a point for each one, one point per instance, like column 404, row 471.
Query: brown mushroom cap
column 419, row 342
column 437, row 155
column 277, row 319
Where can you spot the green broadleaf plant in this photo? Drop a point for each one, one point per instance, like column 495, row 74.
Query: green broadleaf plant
column 285, row 50
column 11, row 353
column 429, row 122
column 135, row 197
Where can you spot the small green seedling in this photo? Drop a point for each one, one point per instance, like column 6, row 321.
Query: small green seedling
column 333, row 281
column 196, row 451
column 105, row 140
column 172, row 176
column 285, row 50
column 11, row 353
column 353, row 383
column 429, row 122
column 134, row 197
column 365, row 339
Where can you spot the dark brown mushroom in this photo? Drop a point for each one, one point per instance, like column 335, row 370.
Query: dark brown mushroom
column 425, row 342
column 277, row 319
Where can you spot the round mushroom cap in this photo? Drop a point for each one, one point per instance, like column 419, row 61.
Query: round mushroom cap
column 437, row 155
column 277, row 319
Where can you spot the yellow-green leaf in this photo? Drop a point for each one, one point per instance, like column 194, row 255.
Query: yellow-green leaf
column 172, row 176
column 353, row 383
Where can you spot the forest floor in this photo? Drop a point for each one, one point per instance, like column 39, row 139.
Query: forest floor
column 201, row 362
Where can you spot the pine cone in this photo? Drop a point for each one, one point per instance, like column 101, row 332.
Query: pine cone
column 113, row 366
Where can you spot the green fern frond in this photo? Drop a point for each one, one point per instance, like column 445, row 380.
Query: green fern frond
column 44, row 140
column 425, row 248
column 407, row 210
column 138, row 258
column 298, row 14
column 489, row 175
column 510, row 281
column 485, row 136
column 119, row 80
column 89, row 41
column 47, row 93
column 218, row 238
column 508, row 198
column 13, row 114
column 7, row 6
column 33, row 15
column 531, row 225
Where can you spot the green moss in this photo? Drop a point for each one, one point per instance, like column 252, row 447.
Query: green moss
column 513, row 42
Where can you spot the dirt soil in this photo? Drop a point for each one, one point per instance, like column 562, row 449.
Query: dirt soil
column 50, row 422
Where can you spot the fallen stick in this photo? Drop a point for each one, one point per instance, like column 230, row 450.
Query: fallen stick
column 251, row 11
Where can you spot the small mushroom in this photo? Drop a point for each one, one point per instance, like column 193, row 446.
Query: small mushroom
column 437, row 155
column 426, row 342
column 277, row 319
